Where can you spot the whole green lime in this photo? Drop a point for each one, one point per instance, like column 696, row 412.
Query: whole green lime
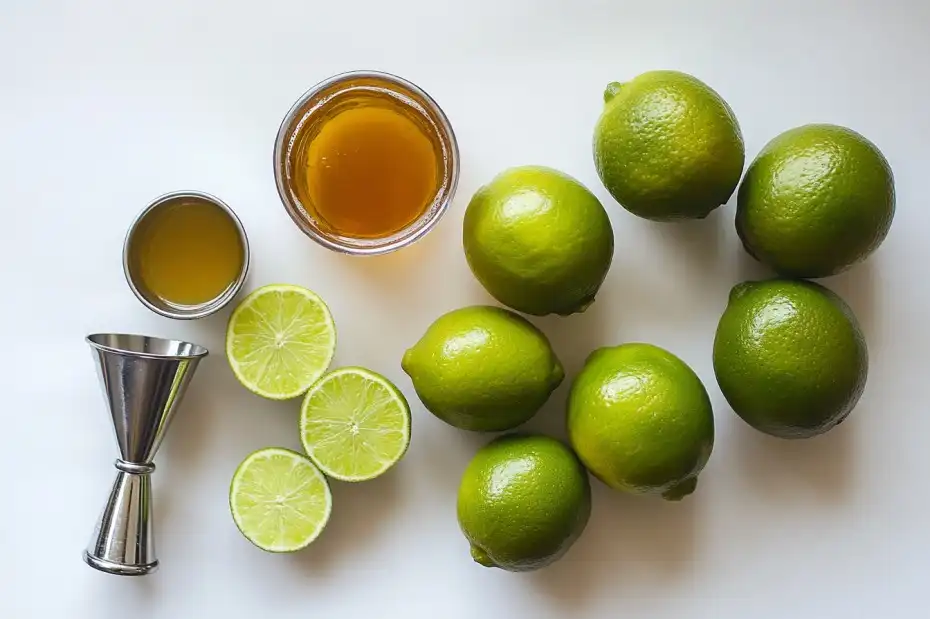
column 522, row 502
column 789, row 357
column 483, row 368
column 667, row 146
column 641, row 421
column 538, row 241
column 816, row 200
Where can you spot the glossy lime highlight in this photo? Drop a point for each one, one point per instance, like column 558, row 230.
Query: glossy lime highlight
column 538, row 241
column 667, row 146
column 815, row 201
column 790, row 357
column 523, row 501
column 641, row 421
column 483, row 368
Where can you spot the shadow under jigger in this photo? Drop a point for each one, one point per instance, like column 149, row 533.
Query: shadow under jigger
column 143, row 380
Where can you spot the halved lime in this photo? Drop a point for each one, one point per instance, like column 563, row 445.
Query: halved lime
column 354, row 424
column 279, row 341
column 279, row 500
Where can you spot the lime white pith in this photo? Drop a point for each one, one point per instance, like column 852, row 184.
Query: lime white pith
column 279, row 500
column 354, row 424
column 280, row 340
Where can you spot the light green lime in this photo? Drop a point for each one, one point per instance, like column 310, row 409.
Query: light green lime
column 279, row 500
column 523, row 501
column 538, row 241
column 279, row 340
column 354, row 424
column 483, row 368
column 815, row 201
column 667, row 146
column 790, row 357
column 641, row 421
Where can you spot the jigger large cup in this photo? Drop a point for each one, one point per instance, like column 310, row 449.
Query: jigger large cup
column 143, row 380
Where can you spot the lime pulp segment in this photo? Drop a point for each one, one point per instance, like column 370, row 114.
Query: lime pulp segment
column 279, row 500
column 354, row 424
column 280, row 340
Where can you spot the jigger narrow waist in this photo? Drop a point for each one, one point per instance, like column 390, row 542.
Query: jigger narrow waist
column 135, row 468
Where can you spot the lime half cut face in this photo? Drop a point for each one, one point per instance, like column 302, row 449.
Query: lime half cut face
column 279, row 500
column 280, row 340
column 354, row 424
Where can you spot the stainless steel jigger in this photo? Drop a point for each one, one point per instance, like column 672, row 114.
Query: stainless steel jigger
column 143, row 380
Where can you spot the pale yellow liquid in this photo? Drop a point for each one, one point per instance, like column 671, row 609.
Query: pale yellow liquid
column 187, row 253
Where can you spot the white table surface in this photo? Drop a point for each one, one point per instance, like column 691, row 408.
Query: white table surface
column 106, row 104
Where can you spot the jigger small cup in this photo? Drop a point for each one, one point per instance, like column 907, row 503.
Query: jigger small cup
column 144, row 380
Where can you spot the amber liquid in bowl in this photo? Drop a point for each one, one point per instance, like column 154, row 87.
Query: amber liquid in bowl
column 367, row 161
